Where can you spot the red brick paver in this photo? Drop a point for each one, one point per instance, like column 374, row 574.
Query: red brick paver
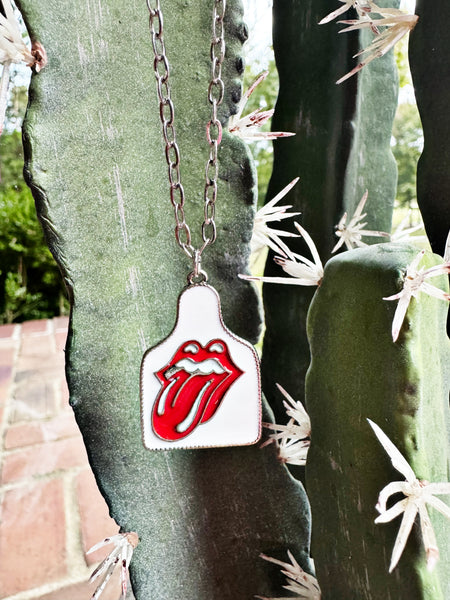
column 77, row 591
column 51, row 511
column 44, row 459
column 31, row 328
column 32, row 543
column 27, row 434
column 7, row 331
column 94, row 518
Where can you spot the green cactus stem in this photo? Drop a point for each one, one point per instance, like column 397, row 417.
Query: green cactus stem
column 341, row 148
column 357, row 372
column 95, row 162
column 430, row 69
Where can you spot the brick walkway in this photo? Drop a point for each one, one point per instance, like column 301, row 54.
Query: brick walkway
column 51, row 510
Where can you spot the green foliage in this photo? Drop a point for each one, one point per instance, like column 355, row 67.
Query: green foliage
column 30, row 283
column 264, row 96
column 401, row 59
column 407, row 134
column 16, row 105
column 407, row 143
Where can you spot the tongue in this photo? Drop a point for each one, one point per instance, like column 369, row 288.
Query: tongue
column 184, row 401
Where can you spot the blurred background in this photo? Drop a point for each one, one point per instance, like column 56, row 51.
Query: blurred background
column 51, row 511
column 30, row 282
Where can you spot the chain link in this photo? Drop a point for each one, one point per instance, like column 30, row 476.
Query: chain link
column 161, row 68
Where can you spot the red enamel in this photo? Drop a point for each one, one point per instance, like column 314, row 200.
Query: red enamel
column 181, row 391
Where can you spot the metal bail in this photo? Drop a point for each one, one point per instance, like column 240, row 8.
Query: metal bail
column 198, row 275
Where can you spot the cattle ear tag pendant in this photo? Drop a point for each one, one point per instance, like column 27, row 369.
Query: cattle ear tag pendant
column 200, row 386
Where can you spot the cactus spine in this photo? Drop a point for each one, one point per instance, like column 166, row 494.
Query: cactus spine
column 357, row 372
column 336, row 155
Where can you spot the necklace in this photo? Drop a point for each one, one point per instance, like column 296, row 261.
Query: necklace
column 200, row 387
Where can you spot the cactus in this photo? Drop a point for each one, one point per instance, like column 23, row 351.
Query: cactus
column 428, row 53
column 357, row 372
column 95, row 162
column 97, row 171
column 336, row 155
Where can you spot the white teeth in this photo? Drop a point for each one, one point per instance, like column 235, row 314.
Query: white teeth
column 206, row 367
column 168, row 374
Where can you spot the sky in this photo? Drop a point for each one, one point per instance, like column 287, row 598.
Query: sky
column 258, row 16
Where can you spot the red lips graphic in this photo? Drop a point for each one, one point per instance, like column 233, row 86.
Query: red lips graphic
column 194, row 384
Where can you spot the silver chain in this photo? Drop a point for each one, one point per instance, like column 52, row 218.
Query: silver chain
column 213, row 131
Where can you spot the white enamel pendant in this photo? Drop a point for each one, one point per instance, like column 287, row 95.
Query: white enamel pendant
column 200, row 387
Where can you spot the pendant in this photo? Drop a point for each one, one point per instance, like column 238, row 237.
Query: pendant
column 200, row 387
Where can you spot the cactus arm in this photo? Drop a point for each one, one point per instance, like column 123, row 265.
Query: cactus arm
column 95, row 162
column 428, row 55
column 357, row 372
column 341, row 148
